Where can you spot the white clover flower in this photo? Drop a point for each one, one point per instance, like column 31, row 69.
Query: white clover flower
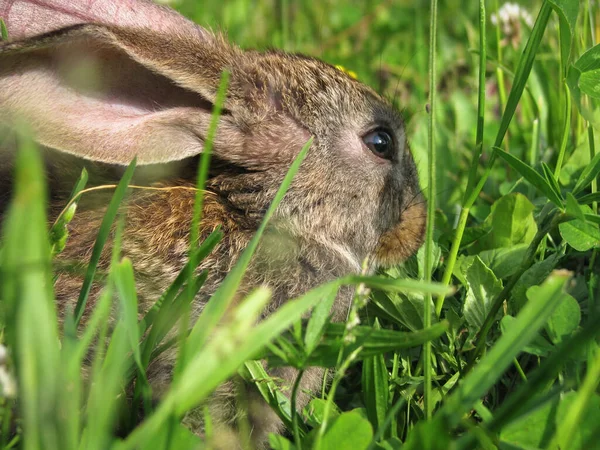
column 509, row 19
column 8, row 386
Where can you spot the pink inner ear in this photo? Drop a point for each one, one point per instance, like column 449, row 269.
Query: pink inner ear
column 26, row 18
column 100, row 104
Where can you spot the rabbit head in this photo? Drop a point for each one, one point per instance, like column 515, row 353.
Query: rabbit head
column 107, row 81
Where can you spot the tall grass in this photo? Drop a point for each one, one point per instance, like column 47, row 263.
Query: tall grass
column 506, row 357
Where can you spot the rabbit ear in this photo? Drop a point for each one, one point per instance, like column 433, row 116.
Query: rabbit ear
column 139, row 84
column 27, row 18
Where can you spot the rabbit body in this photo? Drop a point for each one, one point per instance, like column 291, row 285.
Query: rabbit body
column 356, row 196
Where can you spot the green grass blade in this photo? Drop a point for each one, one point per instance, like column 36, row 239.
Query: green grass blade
column 201, row 178
column 567, row 11
column 70, row 375
column 406, row 286
column 521, row 76
column 372, row 342
column 572, row 207
column 589, row 198
column 594, row 182
column 523, row 70
column 524, row 399
column 99, row 317
column 125, row 287
column 235, row 342
column 551, row 180
column 589, row 174
column 26, row 291
column 431, row 203
column 566, row 132
column 58, row 232
column 167, row 318
column 317, row 322
column 253, row 371
column 205, row 158
column 165, row 300
column 3, row 31
column 542, row 302
column 103, row 234
column 588, row 388
column 216, row 307
column 375, row 386
column 105, row 394
column 472, row 177
column 531, row 175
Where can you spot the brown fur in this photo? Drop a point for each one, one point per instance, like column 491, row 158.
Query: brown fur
column 345, row 204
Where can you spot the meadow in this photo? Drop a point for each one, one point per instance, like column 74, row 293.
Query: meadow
column 487, row 338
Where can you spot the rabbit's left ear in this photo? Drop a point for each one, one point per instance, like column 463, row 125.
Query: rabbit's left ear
column 28, row 18
column 139, row 81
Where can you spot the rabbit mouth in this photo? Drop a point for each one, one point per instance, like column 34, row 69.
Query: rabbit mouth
column 404, row 239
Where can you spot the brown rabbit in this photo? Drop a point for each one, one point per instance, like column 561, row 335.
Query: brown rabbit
column 107, row 81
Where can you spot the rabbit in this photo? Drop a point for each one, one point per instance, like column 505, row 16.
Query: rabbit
column 104, row 82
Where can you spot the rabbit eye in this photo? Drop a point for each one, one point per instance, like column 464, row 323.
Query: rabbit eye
column 380, row 142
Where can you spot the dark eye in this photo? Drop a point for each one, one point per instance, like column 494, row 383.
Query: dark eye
column 380, row 142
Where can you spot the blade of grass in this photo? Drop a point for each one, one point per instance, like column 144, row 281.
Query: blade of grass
column 3, row 31
column 202, row 176
column 464, row 213
column 372, row 342
column 499, row 74
column 593, row 218
column 533, row 152
column 387, row 423
column 405, row 286
column 167, row 318
column 590, row 172
column 521, row 76
column 552, row 182
column 431, row 204
column 317, row 323
column 480, row 341
column 105, row 394
column 125, row 287
column 254, row 372
column 235, row 342
column 103, row 234
column 542, row 302
column 221, row 299
column 480, row 100
column 594, row 181
column 98, row 358
column 567, row 428
column 26, row 290
column 566, row 132
column 165, row 300
column 58, row 231
column 589, row 198
column 519, row 83
column 532, row 176
column 69, row 406
column 375, row 387
column 110, row 362
column 523, row 399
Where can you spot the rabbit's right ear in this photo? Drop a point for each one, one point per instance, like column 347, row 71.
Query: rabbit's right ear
column 116, row 88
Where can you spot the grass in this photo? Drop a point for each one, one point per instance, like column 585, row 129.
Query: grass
column 508, row 358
